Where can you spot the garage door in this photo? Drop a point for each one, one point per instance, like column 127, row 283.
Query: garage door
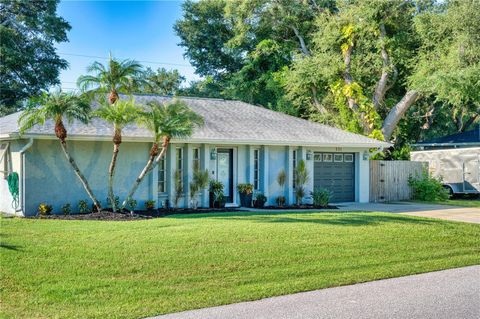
column 335, row 172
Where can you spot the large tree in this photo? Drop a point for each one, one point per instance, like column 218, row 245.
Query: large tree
column 59, row 106
column 29, row 63
column 161, row 81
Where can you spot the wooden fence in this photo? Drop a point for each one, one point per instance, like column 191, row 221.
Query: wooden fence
column 389, row 179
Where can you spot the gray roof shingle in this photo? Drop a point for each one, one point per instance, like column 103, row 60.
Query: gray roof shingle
column 225, row 120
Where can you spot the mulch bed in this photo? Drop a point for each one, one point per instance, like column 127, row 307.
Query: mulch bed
column 137, row 215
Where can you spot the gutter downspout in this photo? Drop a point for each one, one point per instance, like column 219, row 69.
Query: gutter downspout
column 22, row 174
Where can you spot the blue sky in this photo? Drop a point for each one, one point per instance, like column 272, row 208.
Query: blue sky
column 140, row 30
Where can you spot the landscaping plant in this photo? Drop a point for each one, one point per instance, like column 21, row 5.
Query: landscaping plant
column 44, row 209
column 178, row 183
column 321, row 197
column 58, row 106
column 67, row 209
column 301, row 179
column 246, row 193
column 132, row 204
column 165, row 121
column 198, row 184
column 281, row 179
column 259, row 200
column 83, row 206
column 427, row 188
column 150, row 205
column 216, row 193
column 120, row 114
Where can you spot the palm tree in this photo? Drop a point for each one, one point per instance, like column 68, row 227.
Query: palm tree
column 165, row 121
column 57, row 106
column 120, row 113
column 115, row 77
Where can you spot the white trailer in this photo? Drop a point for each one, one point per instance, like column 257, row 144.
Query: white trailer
column 458, row 167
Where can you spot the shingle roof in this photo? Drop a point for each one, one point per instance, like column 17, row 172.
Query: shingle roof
column 225, row 121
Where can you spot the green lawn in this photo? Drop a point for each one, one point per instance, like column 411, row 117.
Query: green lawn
column 457, row 202
column 95, row 269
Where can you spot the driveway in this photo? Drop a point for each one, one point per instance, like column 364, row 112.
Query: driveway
column 455, row 213
column 445, row 294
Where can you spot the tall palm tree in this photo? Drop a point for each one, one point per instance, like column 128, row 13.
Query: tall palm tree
column 120, row 113
column 117, row 76
column 165, row 121
column 57, row 106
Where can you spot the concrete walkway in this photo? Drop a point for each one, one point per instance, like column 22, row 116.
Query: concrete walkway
column 445, row 294
column 455, row 213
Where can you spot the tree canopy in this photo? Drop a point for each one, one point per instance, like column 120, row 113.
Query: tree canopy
column 29, row 64
column 364, row 66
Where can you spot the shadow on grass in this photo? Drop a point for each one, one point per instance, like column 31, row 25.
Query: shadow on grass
column 327, row 218
column 9, row 247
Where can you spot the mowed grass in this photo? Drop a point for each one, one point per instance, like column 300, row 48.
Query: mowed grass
column 473, row 202
column 96, row 269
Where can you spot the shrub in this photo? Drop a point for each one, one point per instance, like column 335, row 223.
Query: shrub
column 216, row 188
column 67, row 209
column 198, row 184
column 301, row 178
column 321, row 197
column 245, row 188
column 83, row 206
column 280, row 200
column 132, row 204
column 427, row 188
column 150, row 205
column 116, row 199
column 178, row 183
column 259, row 200
column 44, row 209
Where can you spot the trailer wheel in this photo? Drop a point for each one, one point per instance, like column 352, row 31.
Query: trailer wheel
column 449, row 190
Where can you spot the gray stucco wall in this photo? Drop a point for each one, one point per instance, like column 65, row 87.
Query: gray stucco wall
column 50, row 179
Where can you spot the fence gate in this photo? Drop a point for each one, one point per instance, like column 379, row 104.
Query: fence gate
column 389, row 179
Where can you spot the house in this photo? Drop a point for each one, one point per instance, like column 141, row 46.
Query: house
column 239, row 143
column 455, row 158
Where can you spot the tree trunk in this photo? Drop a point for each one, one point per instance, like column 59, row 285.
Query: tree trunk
column 111, row 173
column 80, row 176
column 113, row 96
column 397, row 112
column 381, row 87
column 147, row 169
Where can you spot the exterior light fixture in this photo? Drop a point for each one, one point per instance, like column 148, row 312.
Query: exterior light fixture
column 309, row 155
column 366, row 155
column 213, row 154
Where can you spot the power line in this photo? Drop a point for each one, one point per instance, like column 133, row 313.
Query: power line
column 105, row 58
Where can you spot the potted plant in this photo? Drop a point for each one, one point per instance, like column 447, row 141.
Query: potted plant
column 216, row 193
column 259, row 200
column 150, row 205
column 246, row 193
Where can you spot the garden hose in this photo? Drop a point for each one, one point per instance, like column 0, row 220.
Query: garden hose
column 12, row 180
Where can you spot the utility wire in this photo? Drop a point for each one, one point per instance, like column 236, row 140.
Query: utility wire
column 105, row 58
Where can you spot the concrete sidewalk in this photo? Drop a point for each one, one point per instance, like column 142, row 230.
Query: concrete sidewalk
column 445, row 294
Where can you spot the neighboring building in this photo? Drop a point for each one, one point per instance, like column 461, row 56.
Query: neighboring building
column 239, row 143
column 455, row 158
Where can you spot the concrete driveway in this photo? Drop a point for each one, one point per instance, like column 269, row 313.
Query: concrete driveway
column 445, row 294
column 462, row 214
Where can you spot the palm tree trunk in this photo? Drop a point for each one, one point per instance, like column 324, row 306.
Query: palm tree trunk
column 80, row 176
column 151, row 164
column 111, row 173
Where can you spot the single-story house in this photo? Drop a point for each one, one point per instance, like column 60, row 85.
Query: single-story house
column 239, row 143
column 455, row 158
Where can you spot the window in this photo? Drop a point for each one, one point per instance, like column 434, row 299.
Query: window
column 348, row 158
column 317, row 157
column 294, row 158
column 162, row 180
column 338, row 158
column 179, row 162
column 327, row 157
column 196, row 159
column 256, row 169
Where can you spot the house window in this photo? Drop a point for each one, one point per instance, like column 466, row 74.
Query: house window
column 179, row 162
column 162, row 180
column 294, row 157
column 256, row 169
column 327, row 157
column 196, row 159
column 338, row 158
column 348, row 158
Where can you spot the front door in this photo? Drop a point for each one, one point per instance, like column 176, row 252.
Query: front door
column 225, row 172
